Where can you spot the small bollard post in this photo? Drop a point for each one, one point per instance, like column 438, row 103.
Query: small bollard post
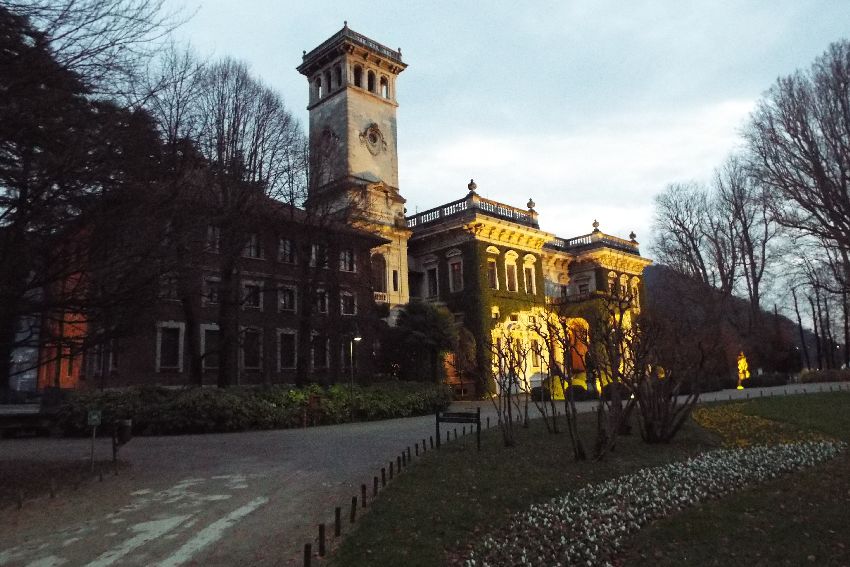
column 478, row 429
column 431, row 437
column 416, row 449
column 374, row 487
column 337, row 521
column 53, row 488
column 321, row 540
column 464, row 430
column 308, row 554
column 448, row 436
column 398, row 464
column 404, row 458
column 488, row 420
column 409, row 459
column 383, row 477
column 391, row 470
column 353, row 508
column 363, row 495
column 424, row 448
column 455, row 433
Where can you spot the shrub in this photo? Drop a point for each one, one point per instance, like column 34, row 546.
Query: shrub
column 766, row 380
column 825, row 376
column 164, row 411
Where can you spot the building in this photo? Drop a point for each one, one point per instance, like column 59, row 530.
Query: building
column 488, row 262
column 306, row 289
column 304, row 293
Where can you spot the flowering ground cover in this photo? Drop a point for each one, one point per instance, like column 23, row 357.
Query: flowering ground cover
column 799, row 519
column 440, row 510
column 434, row 512
column 588, row 526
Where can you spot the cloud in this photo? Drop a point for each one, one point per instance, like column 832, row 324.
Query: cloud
column 609, row 169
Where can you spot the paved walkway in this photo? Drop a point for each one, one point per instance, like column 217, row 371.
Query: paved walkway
column 246, row 498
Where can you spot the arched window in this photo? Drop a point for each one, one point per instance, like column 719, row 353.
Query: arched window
column 510, row 271
column 319, row 92
column 612, row 283
column 385, row 87
column 328, row 85
column 624, row 286
column 379, row 273
column 358, row 76
column 636, row 291
column 529, row 274
column 370, row 78
column 337, row 75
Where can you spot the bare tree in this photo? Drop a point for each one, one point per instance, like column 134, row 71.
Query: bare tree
column 106, row 43
column 799, row 136
column 247, row 137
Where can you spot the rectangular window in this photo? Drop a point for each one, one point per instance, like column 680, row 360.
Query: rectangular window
column 210, row 346
column 252, row 247
column 431, row 282
column 320, row 351
column 213, row 239
column 321, row 301
column 286, row 251
column 168, row 287
column 211, row 291
column 535, row 354
column 456, row 276
column 510, row 270
column 287, row 298
column 252, row 349
column 528, row 271
column 319, row 256
column 252, row 295
column 346, row 261
column 492, row 274
column 169, row 347
column 583, row 288
column 286, row 350
column 395, row 280
column 348, row 303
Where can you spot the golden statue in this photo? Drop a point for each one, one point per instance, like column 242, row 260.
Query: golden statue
column 743, row 370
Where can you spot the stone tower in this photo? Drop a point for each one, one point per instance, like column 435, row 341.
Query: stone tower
column 353, row 144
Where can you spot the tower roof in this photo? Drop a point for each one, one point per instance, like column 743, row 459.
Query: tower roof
column 348, row 40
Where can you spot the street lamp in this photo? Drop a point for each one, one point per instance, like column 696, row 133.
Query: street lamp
column 354, row 338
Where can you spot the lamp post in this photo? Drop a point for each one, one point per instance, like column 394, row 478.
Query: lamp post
column 354, row 338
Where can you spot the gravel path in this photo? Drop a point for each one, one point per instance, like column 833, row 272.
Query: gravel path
column 244, row 498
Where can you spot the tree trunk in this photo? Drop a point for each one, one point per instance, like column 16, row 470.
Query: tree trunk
column 815, row 317
column 800, row 328
column 228, row 324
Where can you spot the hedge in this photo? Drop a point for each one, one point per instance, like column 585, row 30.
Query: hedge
column 825, row 376
column 163, row 411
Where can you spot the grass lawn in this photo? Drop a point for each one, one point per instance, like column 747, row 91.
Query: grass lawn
column 436, row 508
column 800, row 519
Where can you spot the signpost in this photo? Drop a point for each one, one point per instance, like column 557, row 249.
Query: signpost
column 93, row 421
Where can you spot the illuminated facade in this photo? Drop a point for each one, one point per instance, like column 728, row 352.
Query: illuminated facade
column 487, row 262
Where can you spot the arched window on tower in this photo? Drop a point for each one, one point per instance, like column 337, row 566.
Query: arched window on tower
column 328, row 85
column 370, row 78
column 358, row 76
column 379, row 273
column 337, row 75
column 319, row 92
column 385, row 87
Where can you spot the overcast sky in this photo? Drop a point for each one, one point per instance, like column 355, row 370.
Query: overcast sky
column 589, row 107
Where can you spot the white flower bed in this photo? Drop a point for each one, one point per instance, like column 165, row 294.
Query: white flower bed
column 586, row 526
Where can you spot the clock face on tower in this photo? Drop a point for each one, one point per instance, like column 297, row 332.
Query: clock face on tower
column 374, row 139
